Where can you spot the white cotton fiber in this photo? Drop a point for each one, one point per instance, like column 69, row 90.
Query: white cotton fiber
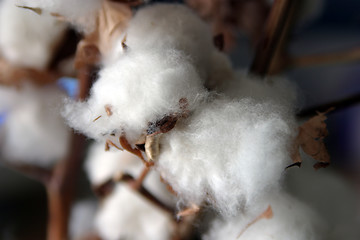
column 82, row 219
column 127, row 215
column 227, row 153
column 82, row 13
column 102, row 166
column 291, row 220
column 27, row 39
column 141, row 87
column 163, row 27
column 330, row 193
column 35, row 132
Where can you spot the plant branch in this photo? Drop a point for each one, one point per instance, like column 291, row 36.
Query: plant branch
column 339, row 105
column 274, row 36
column 61, row 188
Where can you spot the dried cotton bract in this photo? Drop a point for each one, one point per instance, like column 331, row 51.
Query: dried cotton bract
column 127, row 215
column 290, row 219
column 27, row 39
column 34, row 130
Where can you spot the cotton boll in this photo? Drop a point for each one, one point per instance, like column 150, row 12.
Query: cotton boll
column 27, row 39
column 327, row 191
column 103, row 165
column 291, row 220
column 35, row 132
column 171, row 27
column 227, row 153
column 141, row 87
column 82, row 219
column 127, row 215
column 82, row 13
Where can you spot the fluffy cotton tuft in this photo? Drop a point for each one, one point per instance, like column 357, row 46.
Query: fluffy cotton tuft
column 227, row 153
column 27, row 39
column 139, row 88
column 163, row 27
column 291, row 220
column 34, row 130
column 127, row 215
column 82, row 13
column 103, row 165
column 82, row 219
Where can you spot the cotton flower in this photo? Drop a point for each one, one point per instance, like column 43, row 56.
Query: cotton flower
column 27, row 39
column 34, row 131
column 127, row 215
column 291, row 219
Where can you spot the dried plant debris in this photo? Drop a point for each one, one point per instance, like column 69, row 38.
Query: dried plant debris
column 311, row 140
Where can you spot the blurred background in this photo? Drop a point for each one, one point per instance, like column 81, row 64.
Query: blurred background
column 326, row 26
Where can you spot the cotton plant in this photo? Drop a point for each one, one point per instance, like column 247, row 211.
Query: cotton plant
column 158, row 94
column 123, row 212
column 28, row 41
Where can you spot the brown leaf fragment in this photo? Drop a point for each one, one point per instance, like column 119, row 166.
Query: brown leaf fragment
column 108, row 110
column 311, row 139
column 267, row 214
column 162, row 126
column 35, row 10
column 110, row 143
column 127, row 146
column 193, row 209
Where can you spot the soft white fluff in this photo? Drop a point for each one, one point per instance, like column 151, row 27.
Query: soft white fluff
column 141, row 87
column 163, row 27
column 328, row 192
column 82, row 219
column 35, row 132
column 127, row 215
column 81, row 13
column 27, row 39
column 291, row 220
column 103, row 165
column 227, row 153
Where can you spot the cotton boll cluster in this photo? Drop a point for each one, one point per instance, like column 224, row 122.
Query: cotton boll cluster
column 234, row 173
column 27, row 39
column 334, row 198
column 82, row 13
column 127, row 215
column 34, row 130
column 141, row 87
column 103, row 165
column 145, row 85
column 82, row 219
column 291, row 219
